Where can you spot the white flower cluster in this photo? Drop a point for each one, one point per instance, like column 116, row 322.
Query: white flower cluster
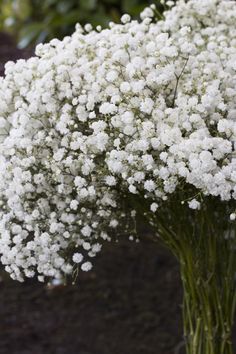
column 140, row 109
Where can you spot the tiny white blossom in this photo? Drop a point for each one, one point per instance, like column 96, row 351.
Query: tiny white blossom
column 77, row 257
column 194, row 204
column 86, row 266
column 74, row 204
column 154, row 207
column 125, row 18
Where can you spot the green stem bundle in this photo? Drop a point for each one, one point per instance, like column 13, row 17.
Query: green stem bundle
column 209, row 296
column 204, row 244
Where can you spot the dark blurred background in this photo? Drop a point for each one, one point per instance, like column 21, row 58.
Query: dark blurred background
column 130, row 302
column 34, row 21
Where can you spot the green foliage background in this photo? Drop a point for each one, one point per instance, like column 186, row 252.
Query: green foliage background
column 34, row 21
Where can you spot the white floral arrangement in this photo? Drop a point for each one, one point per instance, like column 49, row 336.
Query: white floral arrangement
column 140, row 109
column 112, row 125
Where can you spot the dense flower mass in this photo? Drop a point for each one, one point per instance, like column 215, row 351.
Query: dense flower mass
column 137, row 109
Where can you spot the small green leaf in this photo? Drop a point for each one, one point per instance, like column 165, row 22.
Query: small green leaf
column 64, row 6
column 29, row 33
column 21, row 9
column 88, row 4
column 129, row 5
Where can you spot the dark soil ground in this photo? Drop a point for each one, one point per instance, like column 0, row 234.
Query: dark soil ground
column 130, row 303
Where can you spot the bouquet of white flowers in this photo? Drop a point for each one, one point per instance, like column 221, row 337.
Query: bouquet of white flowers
column 108, row 125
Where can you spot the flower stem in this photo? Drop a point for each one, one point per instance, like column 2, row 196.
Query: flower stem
column 205, row 248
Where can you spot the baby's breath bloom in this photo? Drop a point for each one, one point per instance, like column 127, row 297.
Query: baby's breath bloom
column 86, row 266
column 77, row 257
column 194, row 204
column 142, row 108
